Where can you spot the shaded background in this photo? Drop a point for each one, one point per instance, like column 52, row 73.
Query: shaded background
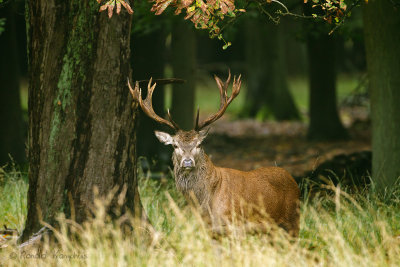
column 303, row 101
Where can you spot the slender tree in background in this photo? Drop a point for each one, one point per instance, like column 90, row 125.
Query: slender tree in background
column 183, row 49
column 325, row 123
column 295, row 49
column 81, row 120
column 382, row 37
column 12, row 140
column 148, row 60
column 267, row 87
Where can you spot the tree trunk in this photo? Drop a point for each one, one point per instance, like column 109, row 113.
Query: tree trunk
column 295, row 49
column 149, row 61
column 183, row 46
column 267, row 88
column 325, row 123
column 81, row 120
column 382, row 37
column 11, row 124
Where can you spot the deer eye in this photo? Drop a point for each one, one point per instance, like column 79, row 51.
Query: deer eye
column 174, row 146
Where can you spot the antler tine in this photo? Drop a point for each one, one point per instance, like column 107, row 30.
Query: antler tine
column 223, row 87
column 224, row 100
column 237, row 83
column 172, row 121
column 150, row 89
column 227, row 83
column 147, row 105
column 135, row 92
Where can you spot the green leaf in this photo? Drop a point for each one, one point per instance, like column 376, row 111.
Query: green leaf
column 228, row 44
column 190, row 9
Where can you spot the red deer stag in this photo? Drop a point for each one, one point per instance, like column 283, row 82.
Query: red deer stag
column 222, row 192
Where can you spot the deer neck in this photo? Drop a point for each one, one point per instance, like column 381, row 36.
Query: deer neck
column 199, row 181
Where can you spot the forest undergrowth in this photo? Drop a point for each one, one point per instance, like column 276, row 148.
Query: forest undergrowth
column 338, row 228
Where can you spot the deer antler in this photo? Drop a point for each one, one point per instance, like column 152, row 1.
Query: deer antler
column 224, row 100
column 147, row 105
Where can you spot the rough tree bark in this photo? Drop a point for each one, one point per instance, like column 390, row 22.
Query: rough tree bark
column 382, row 37
column 183, row 46
column 11, row 124
column 81, row 120
column 268, row 90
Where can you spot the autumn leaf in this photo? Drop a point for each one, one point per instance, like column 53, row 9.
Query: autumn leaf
column 103, row 7
column 127, row 7
column 212, row 3
column 185, row 3
column 227, row 6
column 189, row 14
column 110, row 10
column 203, row 6
column 160, row 6
column 109, row 5
column 118, row 7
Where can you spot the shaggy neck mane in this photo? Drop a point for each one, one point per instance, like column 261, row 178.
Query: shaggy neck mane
column 200, row 180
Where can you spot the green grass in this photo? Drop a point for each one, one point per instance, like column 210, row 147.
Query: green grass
column 337, row 229
column 299, row 88
column 13, row 198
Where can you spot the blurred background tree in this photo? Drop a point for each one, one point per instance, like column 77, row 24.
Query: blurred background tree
column 183, row 61
column 267, row 93
column 149, row 59
column 325, row 123
column 12, row 67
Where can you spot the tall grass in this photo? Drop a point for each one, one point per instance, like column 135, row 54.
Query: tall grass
column 13, row 198
column 337, row 229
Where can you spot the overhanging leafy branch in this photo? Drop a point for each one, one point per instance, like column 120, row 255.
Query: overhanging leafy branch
column 210, row 14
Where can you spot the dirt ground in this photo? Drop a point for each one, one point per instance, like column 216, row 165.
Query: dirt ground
column 248, row 144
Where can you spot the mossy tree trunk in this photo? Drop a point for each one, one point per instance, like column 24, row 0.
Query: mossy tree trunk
column 382, row 37
column 11, row 125
column 267, row 87
column 81, row 116
column 183, row 48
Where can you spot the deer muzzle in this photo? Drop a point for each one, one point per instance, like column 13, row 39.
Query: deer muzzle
column 187, row 163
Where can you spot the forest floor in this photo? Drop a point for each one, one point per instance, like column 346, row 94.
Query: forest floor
column 249, row 144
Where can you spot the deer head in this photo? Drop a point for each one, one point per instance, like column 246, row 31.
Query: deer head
column 186, row 144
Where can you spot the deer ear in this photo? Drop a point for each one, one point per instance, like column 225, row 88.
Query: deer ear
column 164, row 138
column 203, row 134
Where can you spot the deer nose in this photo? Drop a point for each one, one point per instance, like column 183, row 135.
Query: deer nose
column 188, row 163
